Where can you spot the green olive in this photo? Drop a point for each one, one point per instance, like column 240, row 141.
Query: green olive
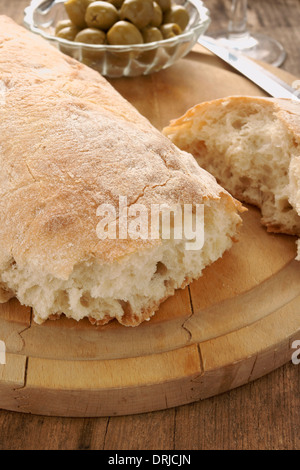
column 91, row 36
column 170, row 30
column 151, row 34
column 68, row 33
column 101, row 15
column 177, row 14
column 63, row 24
column 124, row 32
column 157, row 17
column 164, row 4
column 139, row 12
column 76, row 11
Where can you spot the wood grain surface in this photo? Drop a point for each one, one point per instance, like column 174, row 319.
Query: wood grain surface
column 232, row 326
column 264, row 414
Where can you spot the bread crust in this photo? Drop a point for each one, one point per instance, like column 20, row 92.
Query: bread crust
column 75, row 143
column 69, row 143
column 285, row 110
column 288, row 111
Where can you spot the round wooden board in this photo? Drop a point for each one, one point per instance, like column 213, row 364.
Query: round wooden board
column 233, row 325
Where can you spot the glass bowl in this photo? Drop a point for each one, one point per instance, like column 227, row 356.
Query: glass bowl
column 117, row 61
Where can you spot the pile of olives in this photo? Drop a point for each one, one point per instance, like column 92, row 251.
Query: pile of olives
column 121, row 22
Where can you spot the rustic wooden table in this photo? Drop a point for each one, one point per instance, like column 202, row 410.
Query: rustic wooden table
column 261, row 415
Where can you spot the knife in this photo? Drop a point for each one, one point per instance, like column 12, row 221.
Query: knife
column 273, row 85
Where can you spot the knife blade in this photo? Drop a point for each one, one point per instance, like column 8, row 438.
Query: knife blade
column 267, row 81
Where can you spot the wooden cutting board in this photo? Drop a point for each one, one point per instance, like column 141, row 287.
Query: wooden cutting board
column 233, row 325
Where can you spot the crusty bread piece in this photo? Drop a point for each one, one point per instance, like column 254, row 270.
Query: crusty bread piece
column 252, row 146
column 68, row 143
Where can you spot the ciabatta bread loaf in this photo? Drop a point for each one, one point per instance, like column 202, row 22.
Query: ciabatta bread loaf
column 68, row 144
column 252, row 146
